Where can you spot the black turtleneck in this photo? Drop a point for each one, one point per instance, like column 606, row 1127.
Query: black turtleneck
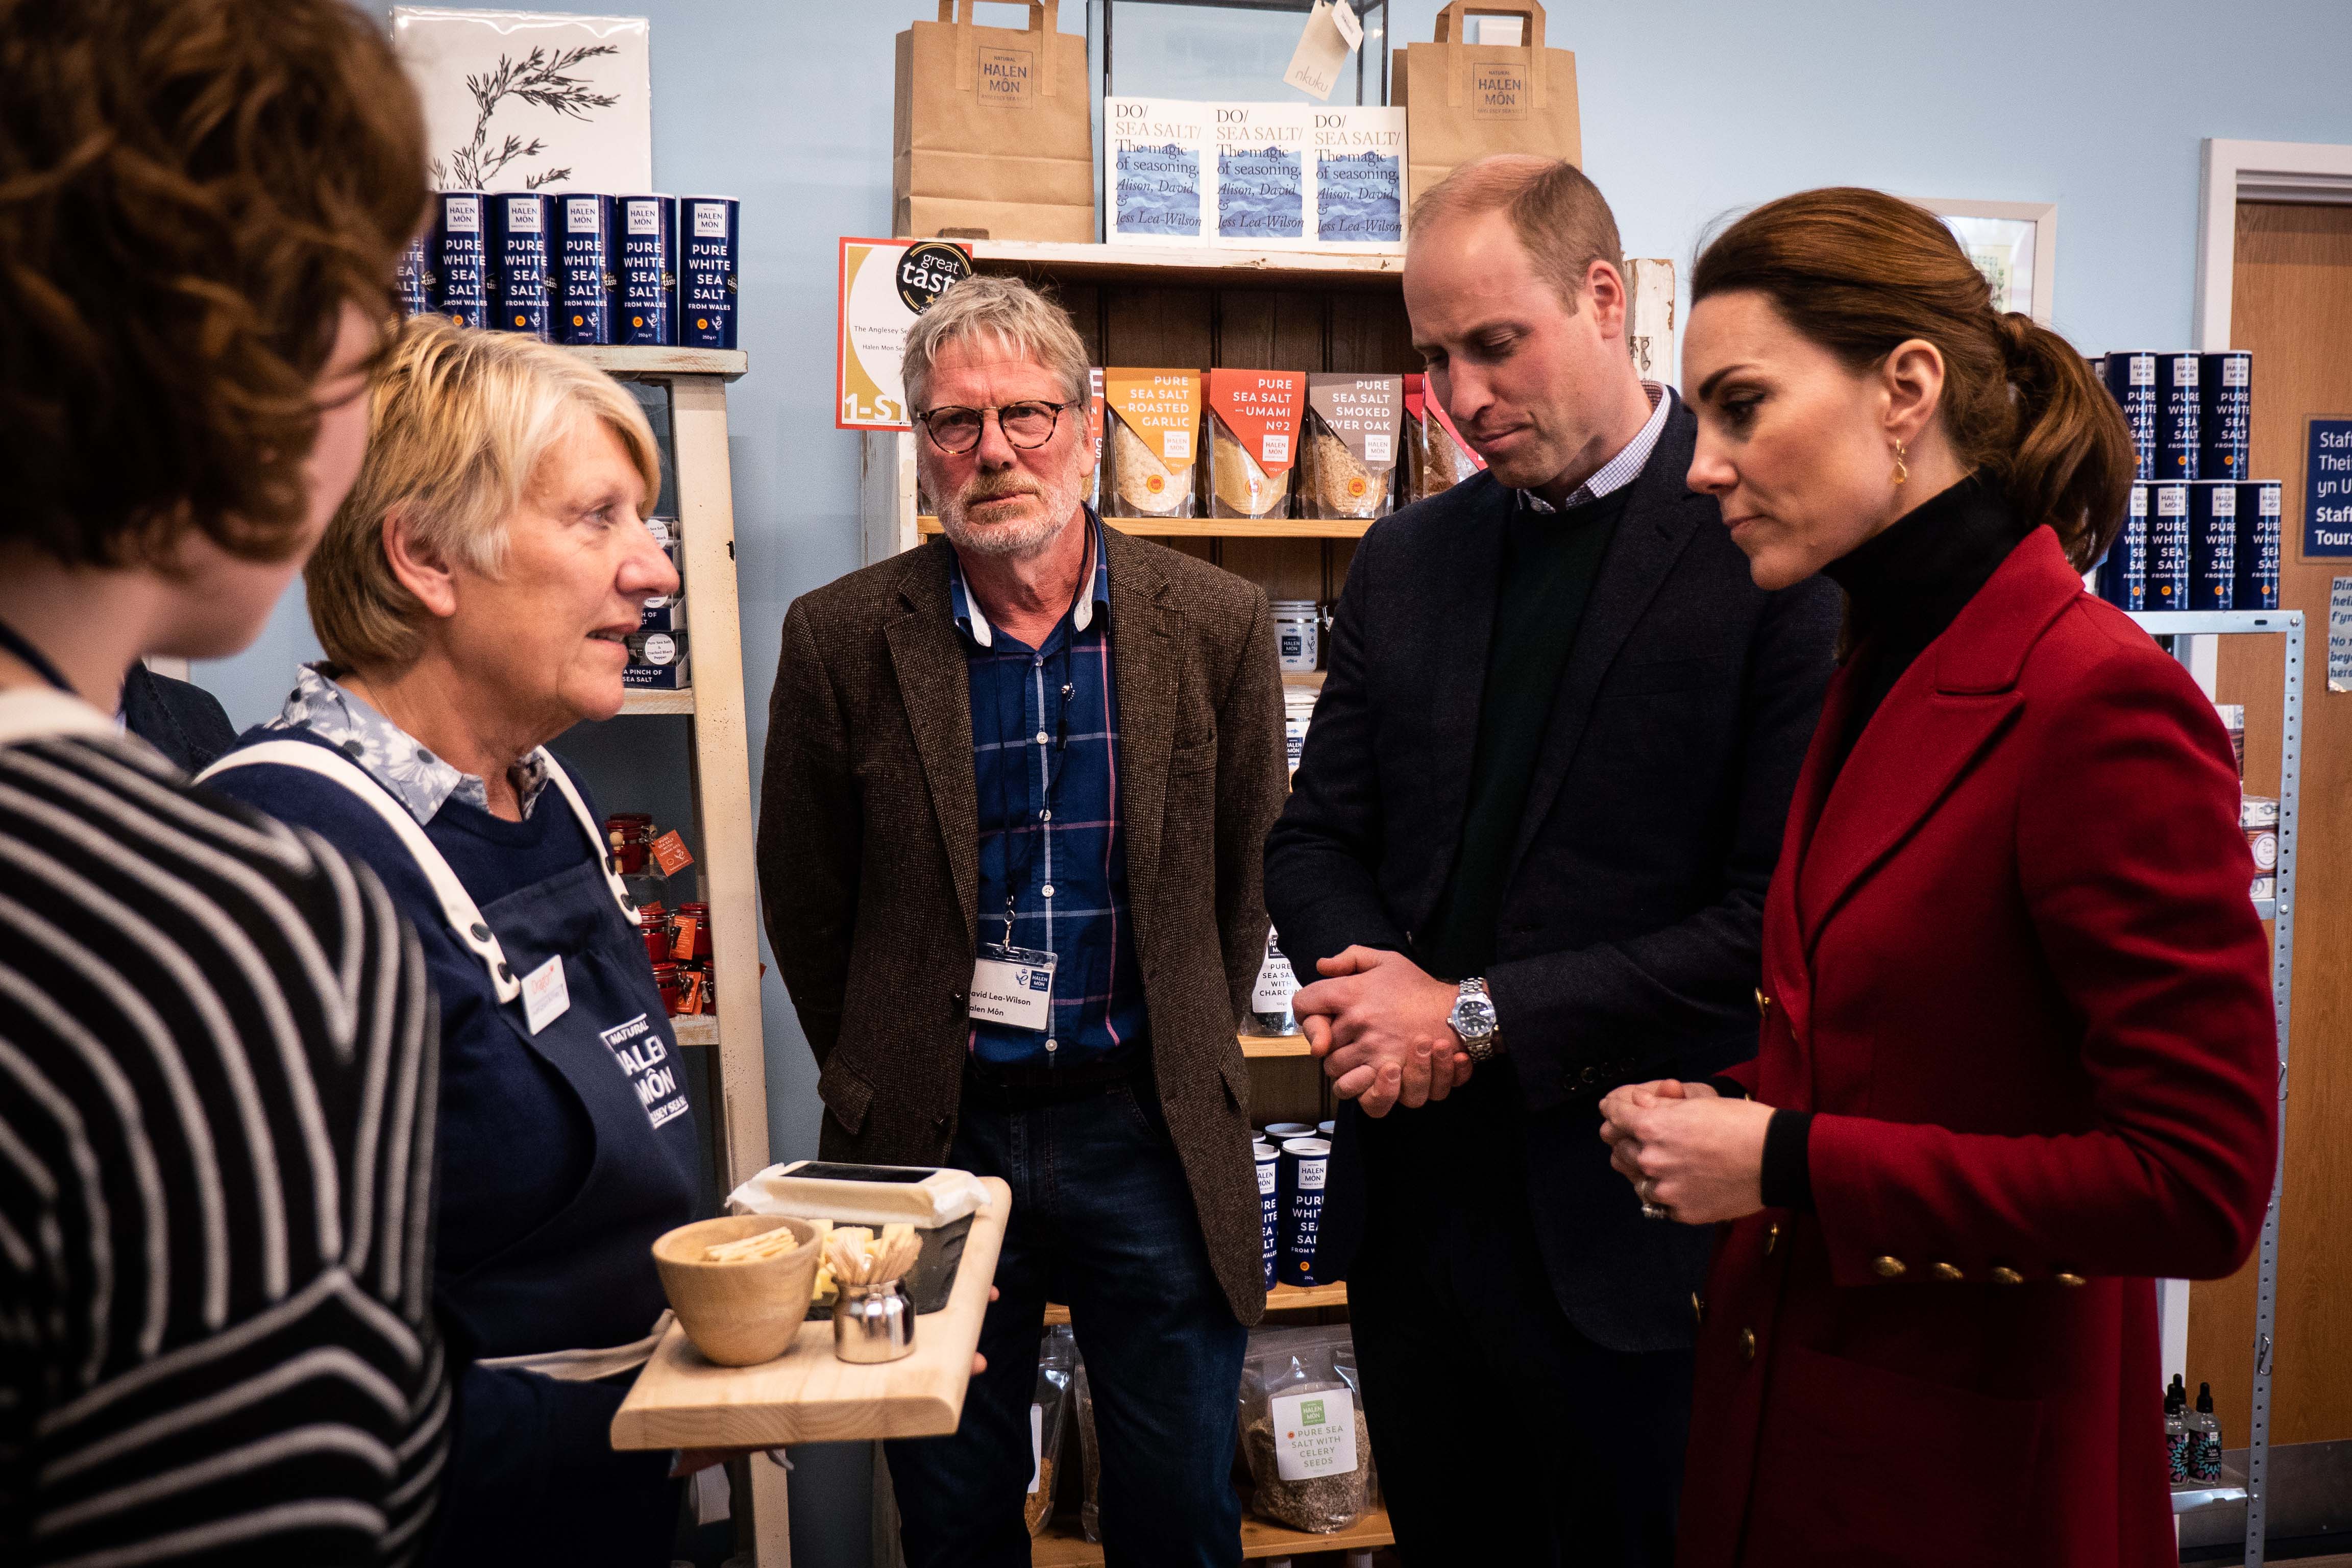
column 1904, row 587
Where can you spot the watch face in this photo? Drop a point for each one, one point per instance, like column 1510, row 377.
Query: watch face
column 1473, row 1017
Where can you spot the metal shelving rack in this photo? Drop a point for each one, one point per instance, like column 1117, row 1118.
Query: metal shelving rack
column 2289, row 624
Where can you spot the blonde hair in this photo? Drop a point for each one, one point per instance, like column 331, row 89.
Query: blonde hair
column 458, row 422
column 1006, row 311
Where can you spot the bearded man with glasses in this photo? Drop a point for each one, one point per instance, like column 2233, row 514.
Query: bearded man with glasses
column 1017, row 785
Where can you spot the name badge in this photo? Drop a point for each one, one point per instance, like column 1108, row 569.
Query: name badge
column 545, row 996
column 1013, row 987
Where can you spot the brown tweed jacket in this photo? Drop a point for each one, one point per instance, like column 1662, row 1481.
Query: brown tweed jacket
column 869, row 852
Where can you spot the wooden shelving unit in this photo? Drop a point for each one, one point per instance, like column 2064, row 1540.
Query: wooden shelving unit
column 1212, row 527
column 1061, row 1546
column 1281, row 1299
column 719, row 765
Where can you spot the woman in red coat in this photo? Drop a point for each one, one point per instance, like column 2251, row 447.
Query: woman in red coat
column 2017, row 1058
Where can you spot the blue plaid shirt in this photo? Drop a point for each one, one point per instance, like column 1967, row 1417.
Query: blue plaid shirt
column 1044, row 759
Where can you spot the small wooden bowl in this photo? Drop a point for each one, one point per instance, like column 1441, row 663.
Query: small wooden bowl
column 737, row 1314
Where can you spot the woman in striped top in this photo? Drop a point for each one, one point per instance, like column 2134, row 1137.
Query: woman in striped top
column 217, row 1064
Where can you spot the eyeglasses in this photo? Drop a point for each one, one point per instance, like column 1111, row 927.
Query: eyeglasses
column 1026, row 425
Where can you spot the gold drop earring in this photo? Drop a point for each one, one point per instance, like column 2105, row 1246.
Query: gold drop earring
column 1901, row 470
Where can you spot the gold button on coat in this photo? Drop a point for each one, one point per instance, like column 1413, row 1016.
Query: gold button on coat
column 1763, row 1003
column 1948, row 1272
column 1887, row 1268
column 2072, row 1280
column 2007, row 1277
column 1699, row 1306
column 1771, row 1238
column 1747, row 1344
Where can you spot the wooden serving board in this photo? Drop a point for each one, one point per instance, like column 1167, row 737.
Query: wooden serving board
column 806, row 1396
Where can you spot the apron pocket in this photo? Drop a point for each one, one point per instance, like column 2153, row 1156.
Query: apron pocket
column 1857, row 1465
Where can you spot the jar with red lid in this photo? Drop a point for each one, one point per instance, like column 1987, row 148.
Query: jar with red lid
column 672, row 985
column 691, row 932
column 652, row 925
column 630, row 834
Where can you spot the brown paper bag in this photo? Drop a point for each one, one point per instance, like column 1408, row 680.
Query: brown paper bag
column 992, row 137
column 1465, row 102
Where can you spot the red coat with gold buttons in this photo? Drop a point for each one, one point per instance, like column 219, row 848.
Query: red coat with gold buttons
column 2013, row 968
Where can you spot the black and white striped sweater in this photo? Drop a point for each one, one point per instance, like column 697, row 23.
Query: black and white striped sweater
column 217, row 1086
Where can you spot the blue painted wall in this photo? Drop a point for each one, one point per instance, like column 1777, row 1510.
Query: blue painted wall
column 1690, row 107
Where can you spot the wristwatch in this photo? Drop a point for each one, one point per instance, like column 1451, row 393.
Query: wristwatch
column 1472, row 1019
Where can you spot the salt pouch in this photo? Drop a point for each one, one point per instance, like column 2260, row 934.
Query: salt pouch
column 1252, row 440
column 1303, row 1431
column 1158, row 170
column 1049, row 1410
column 1353, row 444
column 1152, row 426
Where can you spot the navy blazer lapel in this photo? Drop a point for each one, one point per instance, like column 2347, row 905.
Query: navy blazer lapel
column 935, row 688
column 1661, row 516
column 1462, row 610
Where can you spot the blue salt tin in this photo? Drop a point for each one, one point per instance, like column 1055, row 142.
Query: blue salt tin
column 2212, row 544
column 2123, row 575
column 591, row 254
column 1306, row 1165
column 707, row 235
column 2177, row 382
column 1269, row 1205
column 411, row 276
column 458, row 257
column 2259, row 506
column 2131, row 377
column 2168, row 547
column 522, row 233
column 2225, row 414
column 648, row 310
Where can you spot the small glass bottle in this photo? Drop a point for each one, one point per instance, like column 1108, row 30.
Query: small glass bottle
column 2204, row 1438
column 2176, row 1433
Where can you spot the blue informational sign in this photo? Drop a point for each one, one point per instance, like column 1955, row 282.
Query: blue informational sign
column 2327, row 480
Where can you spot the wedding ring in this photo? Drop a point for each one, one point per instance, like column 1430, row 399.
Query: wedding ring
column 1656, row 1211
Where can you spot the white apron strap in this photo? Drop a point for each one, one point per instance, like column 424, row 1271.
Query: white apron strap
column 587, row 1366
column 38, row 712
column 596, row 831
column 457, row 906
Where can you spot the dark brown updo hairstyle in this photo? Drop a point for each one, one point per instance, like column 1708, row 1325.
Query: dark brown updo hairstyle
column 1859, row 272
column 190, row 190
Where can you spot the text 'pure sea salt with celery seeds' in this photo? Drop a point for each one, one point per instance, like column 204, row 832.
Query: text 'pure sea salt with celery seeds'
column 1157, row 173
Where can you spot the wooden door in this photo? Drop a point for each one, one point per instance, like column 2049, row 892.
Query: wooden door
column 2292, row 306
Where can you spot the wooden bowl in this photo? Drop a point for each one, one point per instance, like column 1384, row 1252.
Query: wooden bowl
column 737, row 1314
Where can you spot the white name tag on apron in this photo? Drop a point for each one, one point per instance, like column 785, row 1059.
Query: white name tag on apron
column 1013, row 987
column 545, row 996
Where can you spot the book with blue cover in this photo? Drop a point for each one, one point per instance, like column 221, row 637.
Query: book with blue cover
column 1355, row 176
column 1263, row 198
column 1158, row 170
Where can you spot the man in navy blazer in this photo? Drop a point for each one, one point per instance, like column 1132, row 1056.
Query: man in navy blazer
column 1526, row 850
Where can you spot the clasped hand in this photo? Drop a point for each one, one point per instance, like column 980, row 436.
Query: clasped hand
column 1687, row 1149
column 1380, row 1026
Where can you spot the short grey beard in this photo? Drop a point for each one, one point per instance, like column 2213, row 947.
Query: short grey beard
column 1012, row 541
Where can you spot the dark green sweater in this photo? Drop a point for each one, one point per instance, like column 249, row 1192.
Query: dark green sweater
column 1549, row 562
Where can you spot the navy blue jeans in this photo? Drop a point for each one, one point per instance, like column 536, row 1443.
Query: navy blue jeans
column 1102, row 1220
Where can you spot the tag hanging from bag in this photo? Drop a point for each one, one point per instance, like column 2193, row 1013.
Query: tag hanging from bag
column 1331, row 34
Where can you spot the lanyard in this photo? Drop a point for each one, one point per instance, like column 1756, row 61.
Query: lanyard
column 1009, row 818
column 37, row 661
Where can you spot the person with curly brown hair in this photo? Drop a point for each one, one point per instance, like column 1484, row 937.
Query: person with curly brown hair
column 218, row 1069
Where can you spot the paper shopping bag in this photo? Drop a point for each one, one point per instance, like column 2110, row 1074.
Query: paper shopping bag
column 1463, row 101
column 993, row 136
